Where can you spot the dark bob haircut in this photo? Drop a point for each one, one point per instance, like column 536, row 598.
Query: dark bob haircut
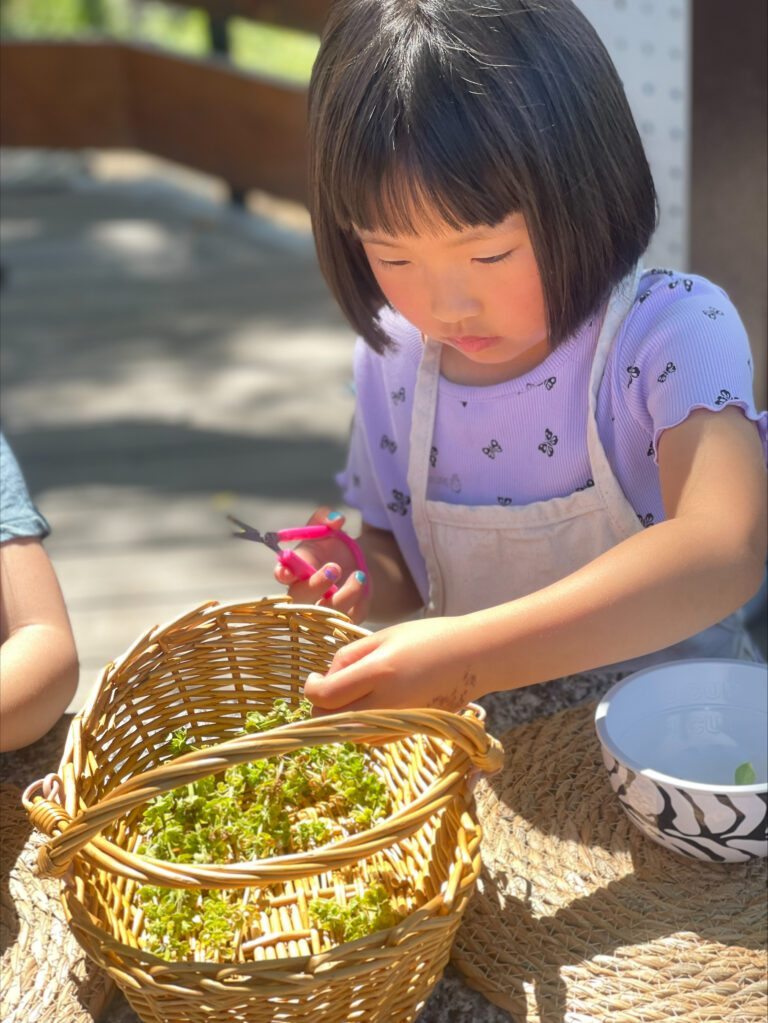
column 473, row 110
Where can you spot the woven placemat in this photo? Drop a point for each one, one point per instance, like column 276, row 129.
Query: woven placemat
column 45, row 976
column 578, row 918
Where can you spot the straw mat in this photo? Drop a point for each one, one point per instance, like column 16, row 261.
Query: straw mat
column 578, row 918
column 44, row 976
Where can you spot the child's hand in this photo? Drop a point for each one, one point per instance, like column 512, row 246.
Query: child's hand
column 335, row 564
column 416, row 664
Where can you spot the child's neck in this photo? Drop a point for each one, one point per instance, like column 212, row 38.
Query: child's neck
column 460, row 370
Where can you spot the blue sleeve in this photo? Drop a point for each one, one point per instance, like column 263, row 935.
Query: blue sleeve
column 18, row 515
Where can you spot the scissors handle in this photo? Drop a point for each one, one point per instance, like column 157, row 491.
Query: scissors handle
column 318, row 532
column 302, row 569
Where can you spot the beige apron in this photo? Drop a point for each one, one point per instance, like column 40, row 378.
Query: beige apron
column 479, row 557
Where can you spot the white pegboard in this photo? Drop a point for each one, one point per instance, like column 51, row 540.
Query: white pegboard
column 650, row 43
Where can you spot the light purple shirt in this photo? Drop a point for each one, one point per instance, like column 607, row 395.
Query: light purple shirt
column 681, row 347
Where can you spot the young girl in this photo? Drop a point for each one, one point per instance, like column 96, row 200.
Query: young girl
column 555, row 452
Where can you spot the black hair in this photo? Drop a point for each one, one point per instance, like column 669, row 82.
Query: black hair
column 475, row 109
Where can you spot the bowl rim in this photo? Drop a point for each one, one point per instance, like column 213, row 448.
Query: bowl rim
column 601, row 713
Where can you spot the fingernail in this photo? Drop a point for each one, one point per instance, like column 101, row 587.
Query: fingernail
column 360, row 577
column 331, row 573
column 314, row 676
column 332, row 516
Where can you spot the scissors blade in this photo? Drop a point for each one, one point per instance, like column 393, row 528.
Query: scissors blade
column 249, row 533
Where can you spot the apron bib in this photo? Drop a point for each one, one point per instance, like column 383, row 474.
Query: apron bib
column 479, row 557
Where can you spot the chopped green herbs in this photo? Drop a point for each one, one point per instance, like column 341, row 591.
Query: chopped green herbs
column 744, row 774
column 251, row 811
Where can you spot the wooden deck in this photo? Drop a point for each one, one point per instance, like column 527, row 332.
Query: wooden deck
column 164, row 359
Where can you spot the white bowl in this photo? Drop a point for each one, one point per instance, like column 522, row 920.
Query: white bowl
column 673, row 736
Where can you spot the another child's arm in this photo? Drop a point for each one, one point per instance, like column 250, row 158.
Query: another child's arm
column 652, row 590
column 390, row 593
column 38, row 660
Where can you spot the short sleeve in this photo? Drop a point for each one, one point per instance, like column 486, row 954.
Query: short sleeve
column 685, row 348
column 358, row 483
column 358, row 480
column 18, row 515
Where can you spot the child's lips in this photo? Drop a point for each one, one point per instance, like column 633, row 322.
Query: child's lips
column 473, row 342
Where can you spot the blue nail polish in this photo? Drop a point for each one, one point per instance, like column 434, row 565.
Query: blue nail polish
column 332, row 516
column 360, row 577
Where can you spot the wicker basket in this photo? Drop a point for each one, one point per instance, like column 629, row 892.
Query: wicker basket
column 206, row 670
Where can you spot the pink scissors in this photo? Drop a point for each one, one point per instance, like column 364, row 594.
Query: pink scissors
column 292, row 561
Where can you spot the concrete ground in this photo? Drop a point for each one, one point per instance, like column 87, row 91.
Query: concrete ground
column 165, row 359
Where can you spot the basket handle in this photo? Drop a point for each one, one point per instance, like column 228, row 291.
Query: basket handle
column 68, row 835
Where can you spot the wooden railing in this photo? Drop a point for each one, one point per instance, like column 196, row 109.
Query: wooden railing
column 245, row 128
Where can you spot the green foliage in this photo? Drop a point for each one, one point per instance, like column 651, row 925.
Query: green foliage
column 744, row 774
column 264, row 808
column 363, row 914
column 190, row 923
column 254, row 46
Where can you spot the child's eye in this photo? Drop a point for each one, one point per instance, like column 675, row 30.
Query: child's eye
column 493, row 259
column 392, row 262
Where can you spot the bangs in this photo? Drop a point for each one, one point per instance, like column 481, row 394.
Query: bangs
column 401, row 199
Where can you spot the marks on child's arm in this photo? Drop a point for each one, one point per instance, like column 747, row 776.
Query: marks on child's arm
column 459, row 696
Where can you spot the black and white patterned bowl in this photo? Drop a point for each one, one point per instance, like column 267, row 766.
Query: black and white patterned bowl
column 673, row 737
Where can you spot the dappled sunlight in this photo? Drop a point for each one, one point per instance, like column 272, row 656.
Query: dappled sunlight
column 263, row 382
column 147, row 247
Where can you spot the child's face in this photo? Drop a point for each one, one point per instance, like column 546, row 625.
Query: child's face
column 477, row 291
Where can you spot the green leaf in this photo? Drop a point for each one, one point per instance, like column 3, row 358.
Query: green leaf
column 744, row 774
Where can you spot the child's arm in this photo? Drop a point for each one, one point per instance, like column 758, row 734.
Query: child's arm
column 38, row 660
column 391, row 596
column 653, row 589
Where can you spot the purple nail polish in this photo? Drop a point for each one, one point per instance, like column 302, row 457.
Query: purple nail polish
column 331, row 574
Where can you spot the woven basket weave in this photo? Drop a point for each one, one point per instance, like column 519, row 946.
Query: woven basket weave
column 207, row 670
column 44, row 975
column 578, row 917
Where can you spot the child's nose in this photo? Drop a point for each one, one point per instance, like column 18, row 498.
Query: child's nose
column 451, row 302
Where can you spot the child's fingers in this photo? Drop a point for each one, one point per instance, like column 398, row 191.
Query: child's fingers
column 350, row 594
column 311, row 590
column 327, row 517
column 284, row 575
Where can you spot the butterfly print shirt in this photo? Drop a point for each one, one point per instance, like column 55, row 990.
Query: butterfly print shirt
column 525, row 439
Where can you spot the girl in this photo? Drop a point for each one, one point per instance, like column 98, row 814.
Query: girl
column 554, row 452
